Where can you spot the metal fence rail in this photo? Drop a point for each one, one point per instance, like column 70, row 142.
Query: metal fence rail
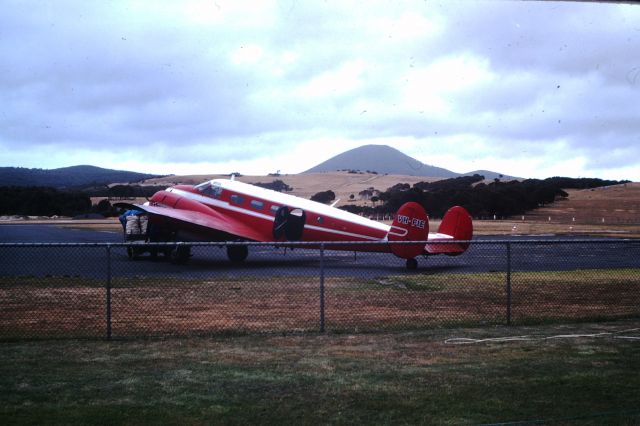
column 99, row 291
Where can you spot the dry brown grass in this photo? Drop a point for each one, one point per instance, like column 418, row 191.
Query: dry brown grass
column 619, row 204
column 63, row 307
column 545, row 228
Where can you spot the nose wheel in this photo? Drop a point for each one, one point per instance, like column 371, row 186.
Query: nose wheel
column 180, row 255
column 238, row 253
column 412, row 264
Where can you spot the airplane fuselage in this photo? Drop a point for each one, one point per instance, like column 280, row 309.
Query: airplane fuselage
column 228, row 210
column 259, row 207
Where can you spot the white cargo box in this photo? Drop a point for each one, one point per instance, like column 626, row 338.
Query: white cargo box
column 136, row 226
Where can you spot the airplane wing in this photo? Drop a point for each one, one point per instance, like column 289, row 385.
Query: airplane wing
column 213, row 220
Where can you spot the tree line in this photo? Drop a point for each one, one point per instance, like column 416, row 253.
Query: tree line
column 48, row 201
column 42, row 201
column 74, row 177
column 481, row 199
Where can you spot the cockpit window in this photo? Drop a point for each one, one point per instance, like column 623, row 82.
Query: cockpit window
column 209, row 189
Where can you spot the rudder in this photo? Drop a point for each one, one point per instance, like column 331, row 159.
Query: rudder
column 411, row 223
column 456, row 225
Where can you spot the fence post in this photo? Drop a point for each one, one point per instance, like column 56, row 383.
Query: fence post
column 108, row 288
column 508, row 283
column 321, row 287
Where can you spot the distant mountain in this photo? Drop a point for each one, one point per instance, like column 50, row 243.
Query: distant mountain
column 385, row 159
column 65, row 177
column 381, row 159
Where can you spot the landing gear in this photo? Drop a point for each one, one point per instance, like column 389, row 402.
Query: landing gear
column 130, row 253
column 181, row 254
column 135, row 251
column 412, row 264
column 237, row 254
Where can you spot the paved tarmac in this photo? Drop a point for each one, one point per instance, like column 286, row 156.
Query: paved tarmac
column 528, row 253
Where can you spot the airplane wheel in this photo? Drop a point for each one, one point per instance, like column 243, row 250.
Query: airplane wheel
column 237, row 254
column 181, row 254
column 133, row 253
column 412, row 264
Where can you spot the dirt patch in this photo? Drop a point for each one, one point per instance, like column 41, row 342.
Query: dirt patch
column 144, row 308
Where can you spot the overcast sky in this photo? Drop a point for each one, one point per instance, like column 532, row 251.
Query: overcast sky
column 525, row 88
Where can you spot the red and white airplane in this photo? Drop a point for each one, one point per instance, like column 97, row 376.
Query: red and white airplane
column 229, row 210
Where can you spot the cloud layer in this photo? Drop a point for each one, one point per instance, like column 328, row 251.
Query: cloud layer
column 524, row 88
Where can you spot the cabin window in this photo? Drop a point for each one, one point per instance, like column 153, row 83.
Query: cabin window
column 237, row 199
column 274, row 209
column 320, row 219
column 258, row 205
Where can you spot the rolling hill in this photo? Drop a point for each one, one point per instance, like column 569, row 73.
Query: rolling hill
column 380, row 159
column 384, row 159
column 616, row 204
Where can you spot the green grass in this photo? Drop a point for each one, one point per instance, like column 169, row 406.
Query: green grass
column 390, row 378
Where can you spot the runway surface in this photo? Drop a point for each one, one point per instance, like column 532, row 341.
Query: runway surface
column 528, row 253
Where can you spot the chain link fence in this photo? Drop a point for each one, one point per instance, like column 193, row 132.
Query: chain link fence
column 120, row 290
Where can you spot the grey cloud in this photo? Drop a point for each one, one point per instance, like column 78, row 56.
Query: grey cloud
column 100, row 74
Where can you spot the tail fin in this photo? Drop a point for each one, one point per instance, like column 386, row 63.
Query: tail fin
column 456, row 225
column 410, row 224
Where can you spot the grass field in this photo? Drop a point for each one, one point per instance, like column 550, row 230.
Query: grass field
column 438, row 373
column 46, row 307
column 398, row 378
column 294, row 375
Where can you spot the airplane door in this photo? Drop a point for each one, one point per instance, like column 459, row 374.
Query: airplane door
column 295, row 225
column 280, row 222
column 289, row 224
